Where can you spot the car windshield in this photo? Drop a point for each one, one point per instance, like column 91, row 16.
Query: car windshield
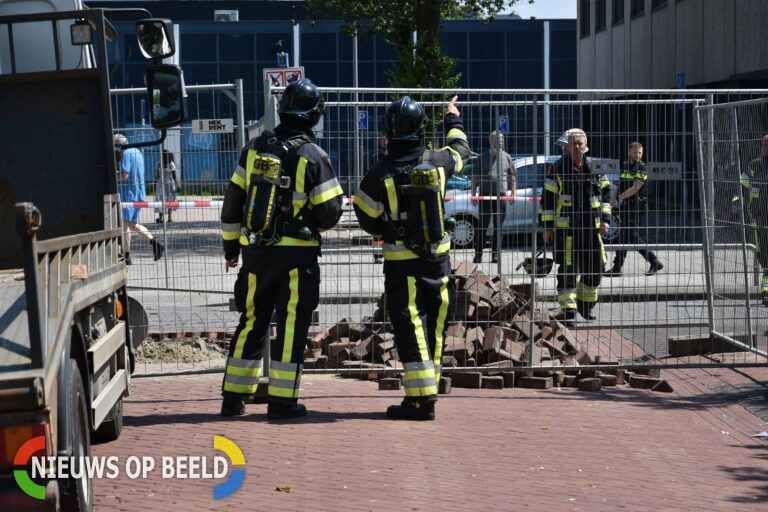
column 531, row 176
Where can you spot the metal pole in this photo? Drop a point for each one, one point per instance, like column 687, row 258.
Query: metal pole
column 240, row 114
column 548, row 107
column 735, row 131
column 355, row 84
column 534, row 150
column 296, row 44
column 704, row 231
column 498, row 221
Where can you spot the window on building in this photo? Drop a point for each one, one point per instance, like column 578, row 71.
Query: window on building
column 599, row 15
column 584, row 16
column 657, row 4
column 637, row 8
column 618, row 12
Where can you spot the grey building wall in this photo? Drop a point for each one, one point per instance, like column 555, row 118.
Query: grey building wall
column 717, row 43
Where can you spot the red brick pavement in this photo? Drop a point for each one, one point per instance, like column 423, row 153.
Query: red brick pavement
column 511, row 449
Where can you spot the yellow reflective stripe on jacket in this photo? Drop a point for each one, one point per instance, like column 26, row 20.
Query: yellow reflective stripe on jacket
column 394, row 206
column 296, row 242
column 455, row 133
column 326, row 191
column 398, row 251
column 238, row 177
column 301, row 176
column 551, row 185
column 456, row 158
column 370, row 207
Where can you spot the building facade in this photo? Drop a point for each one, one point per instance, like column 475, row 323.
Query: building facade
column 667, row 44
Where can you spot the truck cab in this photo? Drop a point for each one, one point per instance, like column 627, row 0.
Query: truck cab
column 66, row 348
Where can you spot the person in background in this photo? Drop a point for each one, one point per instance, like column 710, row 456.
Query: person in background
column 575, row 211
column 131, row 186
column 167, row 185
column 632, row 201
column 496, row 175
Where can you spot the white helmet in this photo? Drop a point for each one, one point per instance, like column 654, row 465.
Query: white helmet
column 563, row 140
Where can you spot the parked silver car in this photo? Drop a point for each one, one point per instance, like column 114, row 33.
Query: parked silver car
column 520, row 214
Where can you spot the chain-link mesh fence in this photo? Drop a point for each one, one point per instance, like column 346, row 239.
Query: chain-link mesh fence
column 643, row 316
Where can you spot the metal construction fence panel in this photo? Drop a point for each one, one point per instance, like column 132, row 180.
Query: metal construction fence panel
column 733, row 151
column 504, row 315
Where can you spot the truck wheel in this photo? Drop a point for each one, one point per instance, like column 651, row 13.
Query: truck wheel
column 110, row 429
column 78, row 492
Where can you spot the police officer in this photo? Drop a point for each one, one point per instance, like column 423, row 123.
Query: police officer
column 575, row 211
column 632, row 200
column 283, row 193
column 754, row 184
column 401, row 199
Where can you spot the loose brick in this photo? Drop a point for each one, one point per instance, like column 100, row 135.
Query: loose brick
column 643, row 381
column 569, row 381
column 534, row 382
column 592, row 384
column 509, row 379
column 607, row 380
column 649, row 372
column 524, row 289
column 458, row 348
column 466, row 268
column 475, row 336
column 466, row 380
column 493, row 338
column 390, row 383
column 457, row 330
column 494, row 382
column 336, row 347
column 444, row 387
column 663, row 387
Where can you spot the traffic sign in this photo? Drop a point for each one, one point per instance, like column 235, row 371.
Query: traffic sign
column 362, row 119
column 281, row 77
column 503, row 125
column 213, row 125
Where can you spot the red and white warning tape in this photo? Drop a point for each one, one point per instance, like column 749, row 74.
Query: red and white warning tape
column 218, row 204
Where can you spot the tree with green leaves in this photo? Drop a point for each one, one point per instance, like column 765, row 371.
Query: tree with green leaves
column 421, row 64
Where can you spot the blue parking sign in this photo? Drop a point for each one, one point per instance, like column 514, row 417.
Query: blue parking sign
column 362, row 119
column 504, row 124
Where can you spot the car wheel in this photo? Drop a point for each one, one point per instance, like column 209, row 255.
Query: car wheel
column 77, row 493
column 613, row 231
column 110, row 429
column 463, row 235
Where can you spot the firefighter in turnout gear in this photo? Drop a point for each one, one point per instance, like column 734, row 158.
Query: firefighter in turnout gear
column 575, row 211
column 754, row 185
column 283, row 193
column 632, row 201
column 401, row 200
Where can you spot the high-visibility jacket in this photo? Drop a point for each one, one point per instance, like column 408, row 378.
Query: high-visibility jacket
column 631, row 173
column 574, row 197
column 376, row 202
column 754, row 183
column 316, row 194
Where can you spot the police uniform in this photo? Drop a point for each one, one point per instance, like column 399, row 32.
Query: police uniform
column 631, row 213
column 417, row 285
column 574, row 204
column 754, row 184
column 281, row 275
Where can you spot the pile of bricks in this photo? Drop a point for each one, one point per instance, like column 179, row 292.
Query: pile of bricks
column 494, row 326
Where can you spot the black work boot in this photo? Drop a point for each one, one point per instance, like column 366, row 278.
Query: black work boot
column 614, row 272
column 128, row 259
column 283, row 411
column 478, row 258
column 585, row 311
column 570, row 317
column 656, row 265
column 158, row 249
column 417, row 409
column 232, row 406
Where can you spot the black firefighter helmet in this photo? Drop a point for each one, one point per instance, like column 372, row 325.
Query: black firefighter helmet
column 404, row 120
column 302, row 99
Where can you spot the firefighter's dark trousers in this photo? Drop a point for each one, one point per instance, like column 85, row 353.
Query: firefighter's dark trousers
column 580, row 256
column 489, row 211
column 419, row 308
column 631, row 232
column 292, row 293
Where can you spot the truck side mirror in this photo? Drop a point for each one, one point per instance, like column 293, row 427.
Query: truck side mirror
column 155, row 36
column 166, row 95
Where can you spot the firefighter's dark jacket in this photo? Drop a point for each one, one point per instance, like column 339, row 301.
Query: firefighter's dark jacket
column 373, row 201
column 316, row 194
column 574, row 197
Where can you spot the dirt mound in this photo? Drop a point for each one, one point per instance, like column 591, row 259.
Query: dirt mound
column 181, row 350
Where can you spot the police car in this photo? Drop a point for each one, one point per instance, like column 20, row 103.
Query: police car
column 521, row 213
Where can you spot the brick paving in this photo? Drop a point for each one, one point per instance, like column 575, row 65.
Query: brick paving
column 511, row 449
